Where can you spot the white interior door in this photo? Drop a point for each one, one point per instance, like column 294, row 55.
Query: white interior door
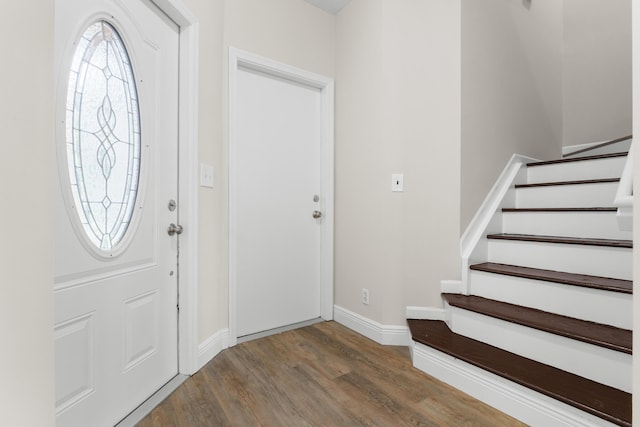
column 277, row 168
column 115, row 285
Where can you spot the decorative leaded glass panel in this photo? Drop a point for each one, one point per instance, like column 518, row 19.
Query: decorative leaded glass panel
column 103, row 135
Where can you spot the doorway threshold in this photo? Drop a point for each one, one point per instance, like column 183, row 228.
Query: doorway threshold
column 281, row 329
column 148, row 405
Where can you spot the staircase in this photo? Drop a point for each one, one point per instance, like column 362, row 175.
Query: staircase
column 541, row 325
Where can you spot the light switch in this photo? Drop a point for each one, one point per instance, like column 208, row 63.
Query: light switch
column 206, row 175
column 397, row 182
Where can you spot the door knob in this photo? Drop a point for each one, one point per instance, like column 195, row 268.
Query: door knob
column 174, row 229
column 317, row 214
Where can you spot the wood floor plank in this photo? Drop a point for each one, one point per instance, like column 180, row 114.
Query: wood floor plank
column 320, row 375
column 281, row 377
column 388, row 408
column 395, row 373
column 229, row 392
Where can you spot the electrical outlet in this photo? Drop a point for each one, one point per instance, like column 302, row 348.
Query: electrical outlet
column 365, row 296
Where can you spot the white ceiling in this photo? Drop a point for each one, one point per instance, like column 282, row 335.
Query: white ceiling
column 331, row 6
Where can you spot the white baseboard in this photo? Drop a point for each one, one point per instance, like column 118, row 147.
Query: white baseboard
column 425, row 313
column 209, row 348
column 528, row 406
column 451, row 286
column 566, row 149
column 620, row 145
column 382, row 334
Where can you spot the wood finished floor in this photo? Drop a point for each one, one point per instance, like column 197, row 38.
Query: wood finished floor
column 320, row 375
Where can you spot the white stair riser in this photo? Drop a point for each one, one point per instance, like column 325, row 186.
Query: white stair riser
column 580, row 259
column 599, row 364
column 567, row 196
column 588, row 169
column 595, row 225
column 609, row 308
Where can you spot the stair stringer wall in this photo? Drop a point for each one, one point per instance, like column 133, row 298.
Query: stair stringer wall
column 488, row 218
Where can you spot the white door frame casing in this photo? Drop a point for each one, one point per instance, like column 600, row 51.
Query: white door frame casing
column 188, row 181
column 242, row 59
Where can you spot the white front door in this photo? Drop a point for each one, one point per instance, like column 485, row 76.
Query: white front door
column 115, row 284
column 280, row 202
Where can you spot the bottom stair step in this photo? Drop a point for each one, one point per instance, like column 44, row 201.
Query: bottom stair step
column 600, row 400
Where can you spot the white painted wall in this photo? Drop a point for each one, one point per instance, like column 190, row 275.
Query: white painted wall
column 290, row 31
column 597, row 70
column 397, row 111
column 511, row 89
column 212, row 291
column 26, row 125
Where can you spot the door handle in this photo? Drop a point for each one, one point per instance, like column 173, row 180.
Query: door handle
column 317, row 214
column 174, row 229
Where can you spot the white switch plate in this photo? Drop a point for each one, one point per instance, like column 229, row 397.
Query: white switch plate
column 397, row 182
column 206, row 175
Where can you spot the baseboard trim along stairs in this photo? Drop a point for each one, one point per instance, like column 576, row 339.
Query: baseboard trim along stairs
column 541, row 326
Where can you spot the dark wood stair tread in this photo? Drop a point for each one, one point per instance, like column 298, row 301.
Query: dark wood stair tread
column 594, row 209
column 577, row 159
column 578, row 182
column 582, row 330
column 597, row 399
column 583, row 280
column 616, row 243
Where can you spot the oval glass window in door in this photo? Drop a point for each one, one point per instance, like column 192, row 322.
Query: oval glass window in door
column 103, row 135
